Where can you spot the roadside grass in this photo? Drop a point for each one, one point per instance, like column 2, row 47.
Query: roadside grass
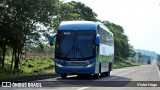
column 126, row 63
column 28, row 67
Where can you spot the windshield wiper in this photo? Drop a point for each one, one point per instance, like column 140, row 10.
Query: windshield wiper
column 71, row 50
column 80, row 51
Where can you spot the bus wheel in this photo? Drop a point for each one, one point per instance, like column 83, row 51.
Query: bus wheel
column 110, row 66
column 109, row 70
column 80, row 75
column 96, row 76
column 103, row 74
column 107, row 73
column 63, row 76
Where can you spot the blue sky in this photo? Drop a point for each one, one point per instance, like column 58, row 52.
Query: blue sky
column 139, row 18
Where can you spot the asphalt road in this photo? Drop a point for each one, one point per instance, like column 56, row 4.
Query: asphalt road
column 125, row 78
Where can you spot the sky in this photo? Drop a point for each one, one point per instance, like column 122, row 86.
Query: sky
column 140, row 19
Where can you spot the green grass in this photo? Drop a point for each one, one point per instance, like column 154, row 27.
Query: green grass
column 126, row 63
column 28, row 67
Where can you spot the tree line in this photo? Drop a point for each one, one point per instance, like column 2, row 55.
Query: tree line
column 19, row 28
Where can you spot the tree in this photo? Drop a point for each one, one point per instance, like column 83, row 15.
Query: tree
column 74, row 11
column 139, row 56
column 4, row 26
column 67, row 12
column 19, row 19
column 86, row 13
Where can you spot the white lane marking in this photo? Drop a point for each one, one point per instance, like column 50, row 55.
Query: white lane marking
column 82, row 88
column 158, row 71
column 125, row 73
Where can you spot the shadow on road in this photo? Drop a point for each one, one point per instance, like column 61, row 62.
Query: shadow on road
column 112, row 81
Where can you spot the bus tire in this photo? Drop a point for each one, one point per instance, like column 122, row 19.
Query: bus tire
column 110, row 66
column 96, row 76
column 107, row 73
column 109, row 70
column 80, row 75
column 63, row 76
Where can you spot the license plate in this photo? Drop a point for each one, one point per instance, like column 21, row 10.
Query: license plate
column 74, row 71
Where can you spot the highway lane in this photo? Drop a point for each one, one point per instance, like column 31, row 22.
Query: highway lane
column 136, row 73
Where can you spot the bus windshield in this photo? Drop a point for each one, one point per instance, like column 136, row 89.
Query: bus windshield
column 75, row 45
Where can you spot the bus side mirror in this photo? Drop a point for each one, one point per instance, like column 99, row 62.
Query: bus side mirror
column 51, row 39
column 97, row 40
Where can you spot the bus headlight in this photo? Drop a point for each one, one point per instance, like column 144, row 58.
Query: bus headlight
column 59, row 65
column 89, row 65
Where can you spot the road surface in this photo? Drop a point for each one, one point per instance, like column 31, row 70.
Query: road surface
column 124, row 77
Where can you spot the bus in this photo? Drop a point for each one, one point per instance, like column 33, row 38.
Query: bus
column 83, row 48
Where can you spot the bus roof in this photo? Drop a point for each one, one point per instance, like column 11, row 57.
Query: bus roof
column 78, row 25
column 82, row 25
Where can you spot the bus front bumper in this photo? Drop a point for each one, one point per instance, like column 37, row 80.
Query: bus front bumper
column 75, row 69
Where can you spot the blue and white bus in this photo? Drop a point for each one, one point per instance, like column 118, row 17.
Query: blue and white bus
column 83, row 48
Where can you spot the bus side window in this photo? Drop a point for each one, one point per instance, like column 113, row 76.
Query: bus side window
column 102, row 36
